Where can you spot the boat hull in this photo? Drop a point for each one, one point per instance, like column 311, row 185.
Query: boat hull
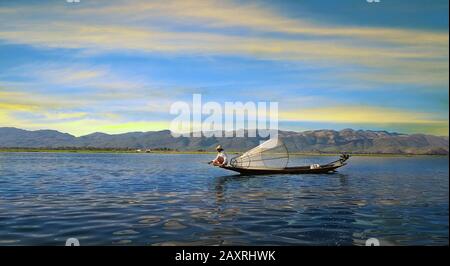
column 324, row 169
column 288, row 170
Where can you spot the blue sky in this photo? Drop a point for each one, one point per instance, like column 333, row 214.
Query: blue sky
column 117, row 66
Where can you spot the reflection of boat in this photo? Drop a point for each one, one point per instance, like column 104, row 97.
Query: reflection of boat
column 272, row 156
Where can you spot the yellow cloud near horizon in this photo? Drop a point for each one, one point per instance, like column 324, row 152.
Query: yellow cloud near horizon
column 78, row 125
column 359, row 114
column 403, row 121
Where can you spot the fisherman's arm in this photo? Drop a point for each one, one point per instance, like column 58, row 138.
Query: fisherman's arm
column 215, row 159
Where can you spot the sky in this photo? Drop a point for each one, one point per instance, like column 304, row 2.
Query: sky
column 117, row 66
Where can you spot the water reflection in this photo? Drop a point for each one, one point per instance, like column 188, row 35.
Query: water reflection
column 46, row 198
column 289, row 213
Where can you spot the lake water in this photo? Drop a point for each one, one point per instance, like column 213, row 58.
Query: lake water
column 162, row 199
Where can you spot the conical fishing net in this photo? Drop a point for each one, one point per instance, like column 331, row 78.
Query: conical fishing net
column 271, row 154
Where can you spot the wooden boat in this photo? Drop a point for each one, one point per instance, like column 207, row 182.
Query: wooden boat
column 272, row 157
column 321, row 169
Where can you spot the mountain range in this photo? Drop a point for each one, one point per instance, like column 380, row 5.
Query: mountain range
column 326, row 141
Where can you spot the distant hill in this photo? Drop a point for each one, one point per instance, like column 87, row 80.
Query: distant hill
column 347, row 140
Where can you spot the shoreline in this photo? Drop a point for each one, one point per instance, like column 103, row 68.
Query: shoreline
column 40, row 150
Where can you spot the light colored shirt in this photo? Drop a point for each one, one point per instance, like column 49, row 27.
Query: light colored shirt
column 224, row 157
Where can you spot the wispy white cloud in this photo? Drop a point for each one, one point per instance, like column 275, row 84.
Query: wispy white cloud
column 157, row 27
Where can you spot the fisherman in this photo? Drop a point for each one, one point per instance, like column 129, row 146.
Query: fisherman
column 221, row 158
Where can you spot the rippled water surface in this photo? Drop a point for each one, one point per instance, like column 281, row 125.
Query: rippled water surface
column 157, row 199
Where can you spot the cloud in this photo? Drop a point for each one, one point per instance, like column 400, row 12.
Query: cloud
column 28, row 101
column 34, row 111
column 360, row 114
column 406, row 121
column 84, row 126
column 80, row 99
column 221, row 14
column 161, row 27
